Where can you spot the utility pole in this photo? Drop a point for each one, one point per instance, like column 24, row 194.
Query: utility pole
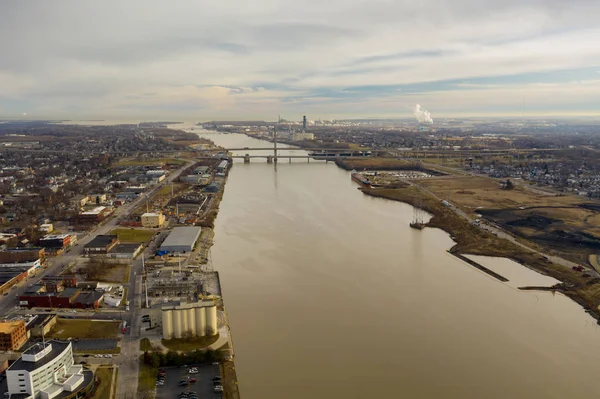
column 275, row 144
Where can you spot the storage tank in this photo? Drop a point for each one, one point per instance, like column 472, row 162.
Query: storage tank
column 167, row 323
column 177, row 323
column 200, row 321
column 211, row 320
column 191, row 321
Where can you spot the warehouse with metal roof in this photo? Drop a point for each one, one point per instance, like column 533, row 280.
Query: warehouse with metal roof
column 181, row 239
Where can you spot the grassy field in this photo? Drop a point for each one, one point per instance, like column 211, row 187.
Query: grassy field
column 71, row 328
column 146, row 377
column 117, row 274
column 166, row 190
column 105, row 387
column 133, row 235
column 473, row 192
column 187, row 345
column 145, row 345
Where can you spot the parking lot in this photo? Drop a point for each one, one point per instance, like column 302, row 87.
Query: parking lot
column 203, row 386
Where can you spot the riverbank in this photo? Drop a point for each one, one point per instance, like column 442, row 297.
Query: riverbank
column 471, row 240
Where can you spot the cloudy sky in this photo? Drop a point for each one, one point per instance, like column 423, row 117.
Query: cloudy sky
column 199, row 60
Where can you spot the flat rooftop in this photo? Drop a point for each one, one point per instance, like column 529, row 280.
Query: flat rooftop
column 57, row 348
column 55, row 237
column 182, row 236
column 101, row 241
column 96, row 211
column 7, row 327
column 125, row 248
column 88, row 297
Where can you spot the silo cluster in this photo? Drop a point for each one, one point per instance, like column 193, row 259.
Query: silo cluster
column 189, row 320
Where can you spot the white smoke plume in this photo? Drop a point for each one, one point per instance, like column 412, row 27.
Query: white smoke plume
column 24, row 113
column 422, row 115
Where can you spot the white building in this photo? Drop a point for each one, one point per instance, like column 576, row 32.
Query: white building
column 46, row 228
column 45, row 371
column 155, row 173
column 112, row 301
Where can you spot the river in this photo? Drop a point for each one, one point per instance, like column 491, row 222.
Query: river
column 331, row 295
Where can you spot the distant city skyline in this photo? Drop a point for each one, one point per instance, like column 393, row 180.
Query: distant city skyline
column 340, row 59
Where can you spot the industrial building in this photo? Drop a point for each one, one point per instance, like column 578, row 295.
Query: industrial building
column 125, row 251
column 95, row 215
column 153, row 219
column 55, row 241
column 13, row 334
column 195, row 319
column 42, row 324
column 181, row 239
column 32, row 265
column 18, row 255
column 47, row 370
column 66, row 298
column 101, row 244
column 222, row 166
column 10, row 276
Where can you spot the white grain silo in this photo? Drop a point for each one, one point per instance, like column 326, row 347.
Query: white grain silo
column 167, row 324
column 200, row 321
column 211, row 320
column 184, row 322
column 191, row 322
column 177, row 323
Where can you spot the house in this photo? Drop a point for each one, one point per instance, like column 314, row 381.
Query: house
column 46, row 228
column 79, row 200
column 97, row 198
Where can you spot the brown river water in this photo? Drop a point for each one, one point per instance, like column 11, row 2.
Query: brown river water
column 331, row 295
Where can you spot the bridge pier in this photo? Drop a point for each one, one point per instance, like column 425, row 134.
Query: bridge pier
column 270, row 159
column 290, row 158
column 247, row 158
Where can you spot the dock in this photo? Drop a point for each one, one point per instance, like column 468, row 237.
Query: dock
column 480, row 267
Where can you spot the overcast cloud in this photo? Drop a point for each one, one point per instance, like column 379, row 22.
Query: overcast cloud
column 199, row 60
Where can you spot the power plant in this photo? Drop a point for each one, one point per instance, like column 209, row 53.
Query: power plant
column 197, row 319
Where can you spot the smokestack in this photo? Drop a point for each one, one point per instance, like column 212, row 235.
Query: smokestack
column 304, row 122
column 422, row 115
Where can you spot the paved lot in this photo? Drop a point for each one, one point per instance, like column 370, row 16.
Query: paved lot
column 94, row 344
column 203, row 386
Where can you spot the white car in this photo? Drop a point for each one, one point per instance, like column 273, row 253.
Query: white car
column 97, row 355
column 108, row 356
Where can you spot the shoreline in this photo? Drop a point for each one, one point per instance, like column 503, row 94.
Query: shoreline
column 472, row 241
